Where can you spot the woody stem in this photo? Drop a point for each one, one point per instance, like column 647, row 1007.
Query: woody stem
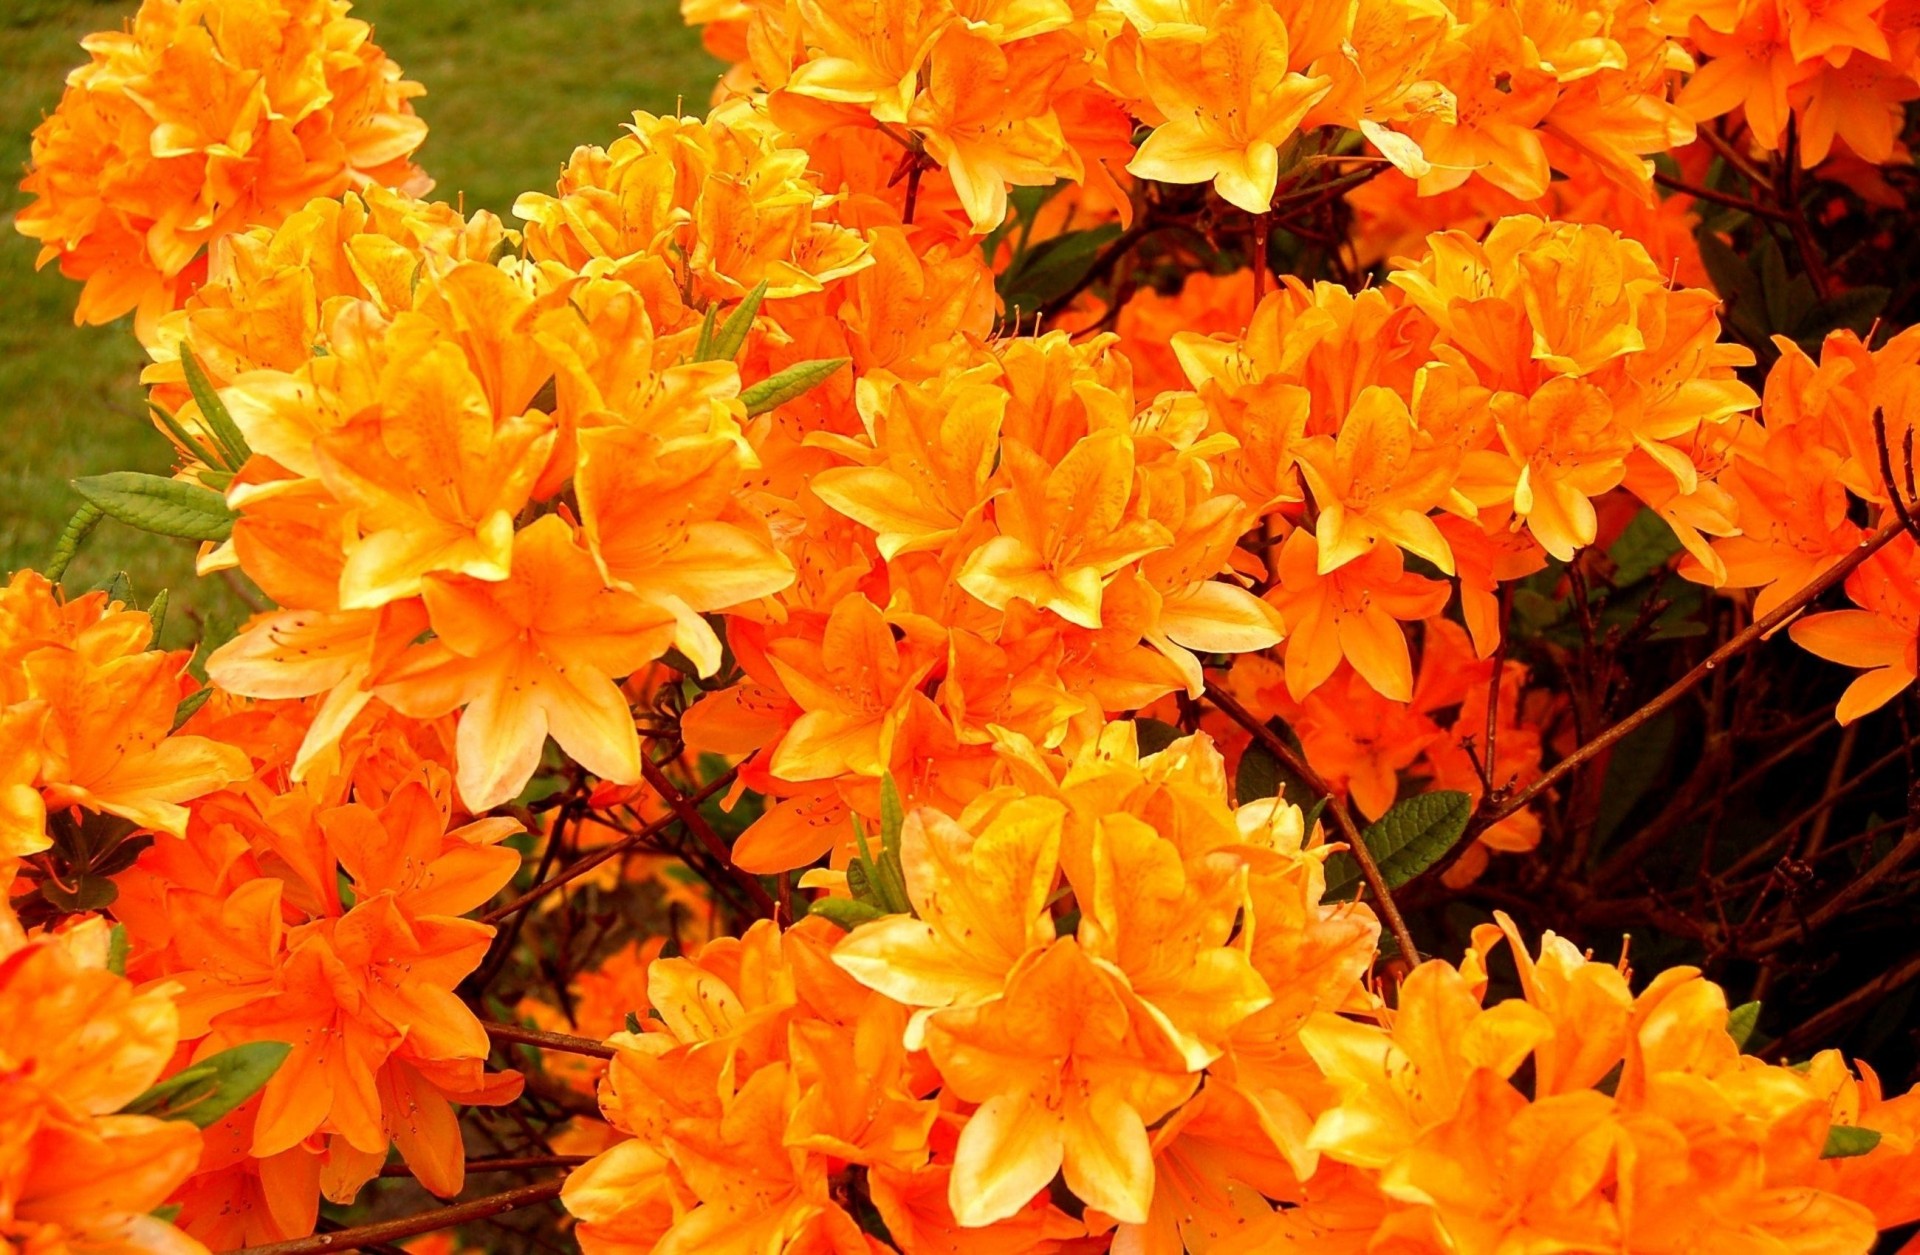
column 363, row 1236
column 1349, row 831
column 696, row 824
column 565, row 1042
column 574, row 871
column 1760, row 627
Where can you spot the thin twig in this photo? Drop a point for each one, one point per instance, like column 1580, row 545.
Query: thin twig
column 573, row 871
column 520, row 1163
column 363, row 1236
column 566, row 1042
column 1727, row 199
column 1821, row 1027
column 1832, row 577
column 1349, row 832
column 702, row 831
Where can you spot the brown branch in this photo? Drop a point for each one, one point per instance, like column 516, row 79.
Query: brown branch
column 1886, row 470
column 547, row 1041
column 1349, row 832
column 1821, row 1026
column 1727, row 199
column 363, row 1236
column 573, row 871
column 702, row 831
column 511, row 1164
column 1832, row 577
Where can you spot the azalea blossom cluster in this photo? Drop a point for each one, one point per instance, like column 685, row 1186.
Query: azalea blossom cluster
column 1041, row 625
column 203, row 118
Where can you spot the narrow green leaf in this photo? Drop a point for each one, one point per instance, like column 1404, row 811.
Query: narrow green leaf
column 893, row 816
column 1846, row 1141
column 117, row 950
column 703, row 346
column 184, row 438
column 893, row 884
column 860, row 882
column 117, row 587
column 214, row 1086
column 633, row 1023
column 84, row 520
column 846, row 912
column 214, row 412
column 166, row 1214
column 188, row 704
column 1407, row 840
column 795, row 380
column 158, row 613
column 154, row 503
column 725, row 345
column 1741, row 1021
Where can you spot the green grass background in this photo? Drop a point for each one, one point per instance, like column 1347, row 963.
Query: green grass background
column 512, row 87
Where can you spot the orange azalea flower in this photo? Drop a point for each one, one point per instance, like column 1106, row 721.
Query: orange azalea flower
column 90, row 712
column 985, row 117
column 534, row 654
column 981, row 908
column 1228, row 98
column 77, row 1043
column 1881, row 636
column 201, row 120
column 855, row 684
column 1063, row 1084
column 1063, row 529
column 1376, row 481
column 1353, row 612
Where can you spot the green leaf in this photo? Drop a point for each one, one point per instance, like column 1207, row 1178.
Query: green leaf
column 1405, row 841
column 87, row 893
column 1154, row 735
column 893, row 816
column 117, row 587
column 1052, row 268
column 703, row 346
column 154, row 503
column 117, row 950
column 214, row 1086
column 848, row 913
column 1741, row 1021
column 184, row 438
column 188, row 704
column 84, row 520
column 158, row 613
column 1646, row 544
column 892, row 883
column 1853, row 310
column 1846, row 1141
column 725, row 345
column 633, row 1023
column 166, row 1214
column 1262, row 774
column 1737, row 285
column 214, row 412
column 1774, row 284
column 1637, row 764
column 797, row 379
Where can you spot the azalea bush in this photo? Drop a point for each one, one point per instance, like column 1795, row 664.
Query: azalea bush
column 1055, row 628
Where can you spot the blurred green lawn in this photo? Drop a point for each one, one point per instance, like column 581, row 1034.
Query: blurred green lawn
column 512, row 87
